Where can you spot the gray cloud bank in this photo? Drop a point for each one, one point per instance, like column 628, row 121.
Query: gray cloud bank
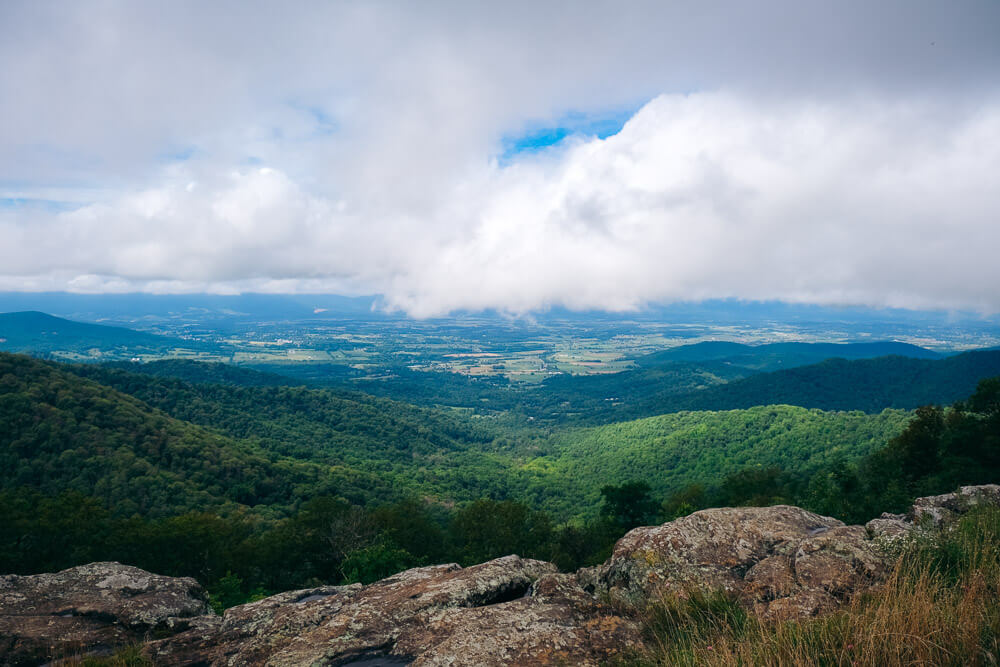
column 803, row 151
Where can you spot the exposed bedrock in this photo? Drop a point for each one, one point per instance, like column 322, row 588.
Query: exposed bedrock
column 90, row 609
column 782, row 562
column 506, row 611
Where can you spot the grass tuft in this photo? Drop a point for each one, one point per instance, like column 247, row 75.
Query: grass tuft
column 128, row 656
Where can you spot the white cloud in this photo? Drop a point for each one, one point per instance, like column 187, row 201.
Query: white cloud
column 715, row 196
column 792, row 150
column 699, row 196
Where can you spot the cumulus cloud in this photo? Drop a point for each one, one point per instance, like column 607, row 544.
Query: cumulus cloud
column 808, row 154
column 714, row 196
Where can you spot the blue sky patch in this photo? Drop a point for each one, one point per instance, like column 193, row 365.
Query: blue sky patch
column 16, row 203
column 536, row 137
column 178, row 154
column 325, row 123
column 321, row 123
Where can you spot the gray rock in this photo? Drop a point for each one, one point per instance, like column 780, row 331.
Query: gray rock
column 507, row 611
column 889, row 528
column 782, row 561
column 91, row 609
column 713, row 548
column 934, row 511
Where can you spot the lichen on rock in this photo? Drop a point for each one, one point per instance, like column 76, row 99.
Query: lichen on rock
column 91, row 609
column 506, row 611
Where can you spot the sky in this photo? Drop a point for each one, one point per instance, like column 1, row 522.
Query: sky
column 513, row 156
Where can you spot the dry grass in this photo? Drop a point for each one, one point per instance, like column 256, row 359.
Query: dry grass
column 940, row 606
column 128, row 656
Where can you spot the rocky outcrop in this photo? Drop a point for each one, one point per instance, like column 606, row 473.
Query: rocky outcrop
column 933, row 511
column 782, row 562
column 90, row 610
column 507, row 611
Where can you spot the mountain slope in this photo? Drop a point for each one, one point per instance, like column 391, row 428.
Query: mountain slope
column 415, row 449
column 626, row 395
column 871, row 385
column 673, row 450
column 61, row 432
column 32, row 331
column 774, row 356
column 204, row 372
column 864, row 384
column 156, row 446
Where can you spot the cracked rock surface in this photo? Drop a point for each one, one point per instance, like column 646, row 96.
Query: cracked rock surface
column 783, row 557
column 90, row 609
column 506, row 611
column 784, row 562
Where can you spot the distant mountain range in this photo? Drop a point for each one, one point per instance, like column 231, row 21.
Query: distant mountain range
column 859, row 384
column 216, row 309
column 714, row 375
column 720, row 375
column 39, row 333
column 773, row 356
column 220, row 309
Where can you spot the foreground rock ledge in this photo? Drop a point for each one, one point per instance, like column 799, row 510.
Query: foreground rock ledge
column 507, row 611
column 90, row 609
column 783, row 562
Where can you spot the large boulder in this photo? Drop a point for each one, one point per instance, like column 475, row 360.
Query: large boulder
column 783, row 561
column 91, row 609
column 509, row 611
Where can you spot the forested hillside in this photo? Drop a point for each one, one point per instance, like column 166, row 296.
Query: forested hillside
column 222, row 481
column 39, row 333
column 776, row 356
column 456, row 457
column 672, row 451
column 109, row 432
column 414, row 450
column 61, row 432
column 601, row 399
column 158, row 446
column 206, row 372
column 870, row 385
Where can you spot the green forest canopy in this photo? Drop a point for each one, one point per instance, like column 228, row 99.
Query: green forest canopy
column 221, row 482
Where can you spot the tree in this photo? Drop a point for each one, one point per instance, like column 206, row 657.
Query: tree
column 689, row 499
column 489, row 529
column 374, row 562
column 756, row 487
column 410, row 525
column 628, row 505
column 986, row 400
